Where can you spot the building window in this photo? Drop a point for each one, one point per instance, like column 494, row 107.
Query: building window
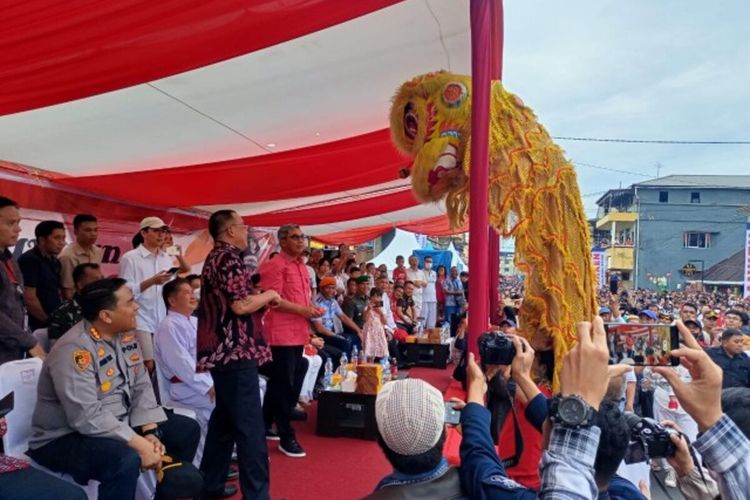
column 695, row 197
column 697, row 240
column 663, row 196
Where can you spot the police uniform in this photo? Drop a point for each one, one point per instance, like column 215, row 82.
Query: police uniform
column 92, row 394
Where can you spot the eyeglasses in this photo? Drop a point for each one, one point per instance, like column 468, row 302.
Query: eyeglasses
column 296, row 237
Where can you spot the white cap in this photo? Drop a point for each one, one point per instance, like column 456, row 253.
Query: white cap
column 153, row 223
column 410, row 414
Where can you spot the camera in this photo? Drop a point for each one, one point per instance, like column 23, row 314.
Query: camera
column 648, row 439
column 496, row 349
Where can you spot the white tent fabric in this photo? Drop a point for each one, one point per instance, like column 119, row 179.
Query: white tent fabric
column 457, row 261
column 328, row 85
column 403, row 243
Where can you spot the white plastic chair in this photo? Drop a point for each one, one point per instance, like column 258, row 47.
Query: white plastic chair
column 21, row 377
column 42, row 337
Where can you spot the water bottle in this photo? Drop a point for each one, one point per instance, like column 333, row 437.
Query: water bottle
column 386, row 370
column 328, row 374
column 355, row 357
column 342, row 365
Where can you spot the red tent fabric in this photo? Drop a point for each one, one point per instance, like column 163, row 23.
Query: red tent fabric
column 53, row 52
column 331, row 167
column 434, row 226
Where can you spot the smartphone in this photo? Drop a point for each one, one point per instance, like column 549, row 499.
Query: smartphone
column 452, row 416
column 6, row 404
column 379, row 303
column 614, row 284
column 645, row 344
column 173, row 270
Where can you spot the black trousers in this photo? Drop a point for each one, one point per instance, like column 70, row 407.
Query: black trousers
column 112, row 462
column 237, row 418
column 299, row 379
column 34, row 484
column 283, row 389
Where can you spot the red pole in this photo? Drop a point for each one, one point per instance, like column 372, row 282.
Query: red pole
column 481, row 57
column 493, row 249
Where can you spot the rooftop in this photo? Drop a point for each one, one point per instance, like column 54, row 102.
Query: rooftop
column 704, row 181
column 729, row 270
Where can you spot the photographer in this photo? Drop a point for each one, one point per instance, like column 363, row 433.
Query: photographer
column 693, row 481
column 724, row 448
column 567, row 463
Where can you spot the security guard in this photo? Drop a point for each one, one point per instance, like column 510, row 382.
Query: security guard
column 96, row 415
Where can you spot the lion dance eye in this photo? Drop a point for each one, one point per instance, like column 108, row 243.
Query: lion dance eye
column 411, row 123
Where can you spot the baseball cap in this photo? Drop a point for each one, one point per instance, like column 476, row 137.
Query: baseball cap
column 648, row 313
column 410, row 414
column 327, row 281
column 694, row 322
column 604, row 310
column 711, row 315
column 509, row 322
column 153, row 223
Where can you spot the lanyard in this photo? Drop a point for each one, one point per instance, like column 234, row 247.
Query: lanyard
column 11, row 272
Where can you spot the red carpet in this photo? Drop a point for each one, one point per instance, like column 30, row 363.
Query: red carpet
column 335, row 468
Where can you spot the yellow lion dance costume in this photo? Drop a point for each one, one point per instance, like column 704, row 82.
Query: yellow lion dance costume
column 529, row 177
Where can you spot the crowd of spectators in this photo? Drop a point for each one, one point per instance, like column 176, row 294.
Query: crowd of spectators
column 246, row 352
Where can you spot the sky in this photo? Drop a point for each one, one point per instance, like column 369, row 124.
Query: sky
column 635, row 69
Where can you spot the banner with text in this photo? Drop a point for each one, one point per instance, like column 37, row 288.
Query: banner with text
column 600, row 266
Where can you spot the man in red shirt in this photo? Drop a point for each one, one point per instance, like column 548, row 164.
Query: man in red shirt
column 287, row 330
column 399, row 273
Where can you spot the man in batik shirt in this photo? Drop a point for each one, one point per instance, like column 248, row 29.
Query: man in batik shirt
column 231, row 346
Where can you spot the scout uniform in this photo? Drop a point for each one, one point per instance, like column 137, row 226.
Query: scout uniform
column 94, row 387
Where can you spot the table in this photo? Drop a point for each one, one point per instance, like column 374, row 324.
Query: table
column 425, row 355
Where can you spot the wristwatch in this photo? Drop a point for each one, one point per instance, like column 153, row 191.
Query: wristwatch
column 571, row 411
column 155, row 431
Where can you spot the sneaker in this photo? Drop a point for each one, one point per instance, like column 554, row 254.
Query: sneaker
column 292, row 448
column 271, row 435
column 671, row 479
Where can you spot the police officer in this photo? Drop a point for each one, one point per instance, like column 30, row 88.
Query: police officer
column 96, row 416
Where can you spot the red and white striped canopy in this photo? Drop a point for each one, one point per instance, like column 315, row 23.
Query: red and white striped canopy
column 277, row 109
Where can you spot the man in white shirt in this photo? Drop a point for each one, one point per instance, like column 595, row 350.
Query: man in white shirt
column 416, row 276
column 146, row 269
column 429, row 295
column 175, row 347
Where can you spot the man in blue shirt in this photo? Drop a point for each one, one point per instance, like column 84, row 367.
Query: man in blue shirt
column 325, row 327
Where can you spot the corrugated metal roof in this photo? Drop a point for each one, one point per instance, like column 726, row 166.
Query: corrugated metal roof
column 727, row 270
column 704, row 181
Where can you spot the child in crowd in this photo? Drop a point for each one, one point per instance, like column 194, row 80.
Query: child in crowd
column 375, row 344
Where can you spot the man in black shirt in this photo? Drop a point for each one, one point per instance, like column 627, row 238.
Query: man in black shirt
column 41, row 273
column 732, row 360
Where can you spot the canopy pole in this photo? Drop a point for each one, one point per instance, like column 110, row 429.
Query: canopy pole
column 493, row 249
column 481, row 67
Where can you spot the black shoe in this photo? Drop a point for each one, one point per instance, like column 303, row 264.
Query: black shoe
column 232, row 474
column 291, row 448
column 271, row 435
column 229, row 490
column 298, row 415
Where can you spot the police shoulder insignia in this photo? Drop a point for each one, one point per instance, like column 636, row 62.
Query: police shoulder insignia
column 82, row 359
column 106, row 386
column 127, row 338
column 110, row 371
column 101, row 352
column 134, row 357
